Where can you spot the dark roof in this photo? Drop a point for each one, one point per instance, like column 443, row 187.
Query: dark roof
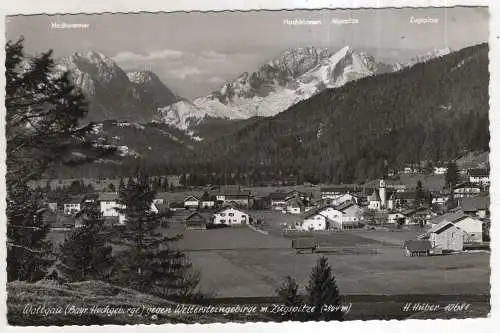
column 207, row 197
column 78, row 198
column 466, row 184
column 341, row 188
column 190, row 197
column 403, row 195
column 277, row 195
column 237, row 196
column 313, row 212
column 416, row 245
column 374, row 196
column 107, row 196
column 344, row 205
column 450, row 216
column 111, row 220
column 233, row 190
column 439, row 228
column 162, row 207
column 295, row 202
column 479, row 172
column 195, row 217
column 474, row 204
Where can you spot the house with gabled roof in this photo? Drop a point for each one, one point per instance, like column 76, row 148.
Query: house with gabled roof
column 447, row 236
column 401, row 199
column 470, row 225
column 109, row 206
column 233, row 195
column 479, row 176
column 415, row 247
column 374, row 201
column 479, row 206
column 295, row 206
column 191, row 202
column 345, row 216
column 207, row 201
column 466, row 190
column 333, row 191
column 277, row 200
column 73, row 204
column 230, row 216
column 196, row 221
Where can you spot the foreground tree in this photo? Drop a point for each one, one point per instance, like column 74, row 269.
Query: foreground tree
column 86, row 254
column 149, row 261
column 323, row 292
column 42, row 131
column 287, row 294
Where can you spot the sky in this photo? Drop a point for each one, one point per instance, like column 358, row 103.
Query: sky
column 194, row 53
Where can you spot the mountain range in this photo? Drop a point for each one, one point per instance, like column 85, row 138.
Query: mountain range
column 295, row 75
column 369, row 120
column 435, row 111
column 112, row 93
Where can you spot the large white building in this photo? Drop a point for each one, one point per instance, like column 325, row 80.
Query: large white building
column 230, row 216
column 109, row 206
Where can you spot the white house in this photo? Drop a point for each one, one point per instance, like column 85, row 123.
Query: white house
column 472, row 227
column 71, row 208
column 207, row 201
column 108, row 204
column 314, row 222
column 479, row 176
column 340, row 199
column 340, row 217
column 295, row 206
column 277, row 200
column 231, row 216
column 395, row 217
column 440, row 170
column 73, row 205
column 374, row 201
column 191, row 202
column 466, row 190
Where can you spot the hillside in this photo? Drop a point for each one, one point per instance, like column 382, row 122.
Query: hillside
column 137, row 308
column 137, row 144
column 437, row 110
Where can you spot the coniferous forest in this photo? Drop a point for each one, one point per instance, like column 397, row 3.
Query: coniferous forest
column 434, row 111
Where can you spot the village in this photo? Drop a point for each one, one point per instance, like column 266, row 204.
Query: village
column 384, row 204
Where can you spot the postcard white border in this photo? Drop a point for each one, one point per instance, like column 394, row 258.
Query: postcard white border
column 86, row 6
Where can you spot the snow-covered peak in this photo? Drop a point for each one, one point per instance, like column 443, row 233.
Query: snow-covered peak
column 142, row 77
column 294, row 75
column 436, row 53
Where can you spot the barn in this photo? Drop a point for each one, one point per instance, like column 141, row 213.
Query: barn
column 195, row 221
column 447, row 236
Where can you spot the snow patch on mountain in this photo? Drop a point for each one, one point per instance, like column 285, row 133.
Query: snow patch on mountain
column 295, row 75
column 436, row 53
column 134, row 125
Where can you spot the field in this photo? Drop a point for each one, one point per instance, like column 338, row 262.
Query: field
column 241, row 262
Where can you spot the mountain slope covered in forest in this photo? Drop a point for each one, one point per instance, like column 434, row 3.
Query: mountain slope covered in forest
column 435, row 110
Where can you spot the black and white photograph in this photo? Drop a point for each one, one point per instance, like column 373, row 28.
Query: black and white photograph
column 247, row 166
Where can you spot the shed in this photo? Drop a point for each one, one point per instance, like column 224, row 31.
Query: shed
column 195, row 221
column 447, row 236
column 416, row 247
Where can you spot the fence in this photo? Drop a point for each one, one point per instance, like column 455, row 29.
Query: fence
column 257, row 229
